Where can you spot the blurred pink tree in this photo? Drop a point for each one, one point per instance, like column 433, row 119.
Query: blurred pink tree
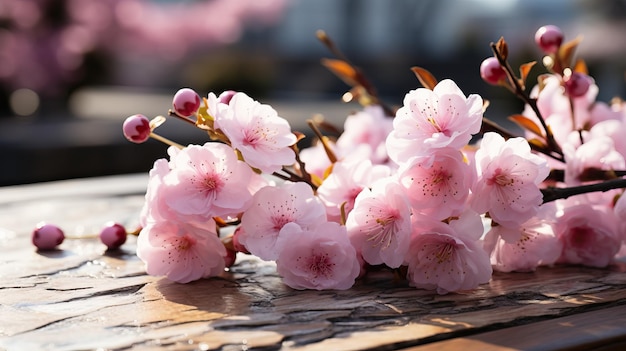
column 44, row 44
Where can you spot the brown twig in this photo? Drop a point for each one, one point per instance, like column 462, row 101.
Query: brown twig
column 552, row 194
column 519, row 91
column 359, row 77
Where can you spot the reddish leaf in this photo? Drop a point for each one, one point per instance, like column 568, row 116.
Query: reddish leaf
column 299, row 135
column 581, row 66
column 524, row 70
column 566, row 51
column 343, row 70
column 426, row 78
column 527, row 124
column 503, row 48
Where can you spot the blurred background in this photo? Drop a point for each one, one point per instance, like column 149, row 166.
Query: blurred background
column 71, row 71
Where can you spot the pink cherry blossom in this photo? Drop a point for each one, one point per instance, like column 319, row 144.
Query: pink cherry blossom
column 596, row 152
column 448, row 257
column 443, row 117
column 206, row 181
column 437, row 184
column 273, row 207
column 508, row 180
column 150, row 211
column 379, row 226
column 318, row 258
column 589, row 236
column 263, row 138
column 154, row 208
column 601, row 112
column 620, row 209
column 181, row 251
column 615, row 129
column 367, row 128
column 345, row 182
column 523, row 248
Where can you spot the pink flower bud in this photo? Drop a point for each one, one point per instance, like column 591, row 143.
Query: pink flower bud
column 577, row 84
column 136, row 128
column 47, row 236
column 186, row 102
column 226, row 96
column 113, row 235
column 549, row 38
column 491, row 71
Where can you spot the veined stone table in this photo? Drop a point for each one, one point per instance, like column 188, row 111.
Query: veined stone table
column 81, row 297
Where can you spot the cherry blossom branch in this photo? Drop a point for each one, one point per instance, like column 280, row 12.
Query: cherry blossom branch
column 166, row 141
column 294, row 177
column 521, row 93
column 306, row 176
column 491, row 126
column 552, row 194
column 185, row 119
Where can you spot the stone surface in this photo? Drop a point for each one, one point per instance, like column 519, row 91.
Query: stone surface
column 82, row 297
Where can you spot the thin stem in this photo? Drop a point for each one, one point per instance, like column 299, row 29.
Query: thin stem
column 491, row 126
column 330, row 45
column 185, row 119
column 302, row 167
column 165, row 140
column 281, row 176
column 294, row 177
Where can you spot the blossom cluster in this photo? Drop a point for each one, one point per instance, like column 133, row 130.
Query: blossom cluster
column 410, row 190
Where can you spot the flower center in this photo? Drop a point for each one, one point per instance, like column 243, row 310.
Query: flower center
column 280, row 221
column 434, row 124
column 445, row 251
column 500, row 178
column 440, row 178
column 210, row 184
column 382, row 234
column 252, row 137
column 183, row 243
column 580, row 236
column 320, row 265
